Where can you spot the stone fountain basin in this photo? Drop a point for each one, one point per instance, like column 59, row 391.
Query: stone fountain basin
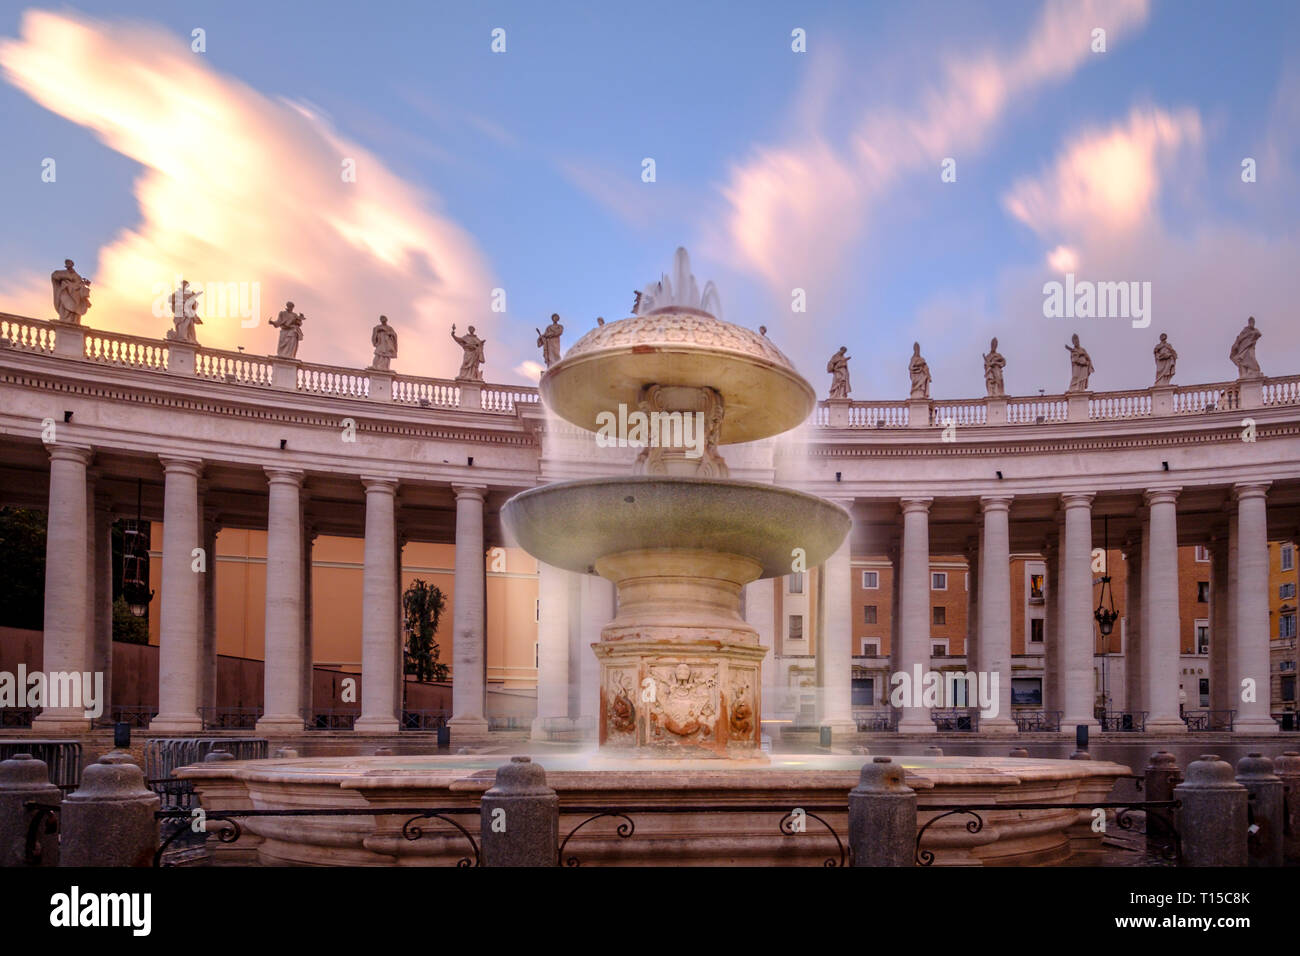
column 572, row 524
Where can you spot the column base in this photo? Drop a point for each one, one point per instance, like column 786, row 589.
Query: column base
column 375, row 725
column 61, row 724
column 1165, row 725
column 469, row 725
column 998, row 725
column 280, row 724
column 908, row 724
column 1254, row 725
column 176, row 724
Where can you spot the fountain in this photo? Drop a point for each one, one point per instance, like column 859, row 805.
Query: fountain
column 680, row 668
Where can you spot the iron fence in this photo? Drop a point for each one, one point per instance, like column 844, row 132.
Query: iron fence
column 1046, row 721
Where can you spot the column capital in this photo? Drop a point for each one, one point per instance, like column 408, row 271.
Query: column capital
column 276, row 475
column 1161, row 496
column 379, row 483
column 183, row 466
column 910, row 505
column 995, row 503
column 469, row 491
column 1250, row 489
column 61, row 451
column 1077, row 499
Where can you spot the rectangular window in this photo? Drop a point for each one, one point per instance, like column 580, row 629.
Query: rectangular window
column 1288, row 557
column 870, row 647
column 796, row 627
column 1286, row 625
column 1288, row 688
column 864, row 691
column 1026, row 692
column 537, row 654
column 1203, row 592
column 940, row 615
column 1202, row 554
column 869, row 614
column 796, row 583
column 1286, row 589
column 1035, row 587
column 537, row 610
column 939, row 581
column 1204, row 690
column 1202, row 638
column 939, row 650
column 870, row 580
column 1035, row 630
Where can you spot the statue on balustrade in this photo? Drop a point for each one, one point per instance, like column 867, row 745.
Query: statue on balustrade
column 994, row 363
column 184, row 305
column 1080, row 366
column 470, row 369
column 838, row 366
column 549, row 341
column 1166, row 359
column 384, row 340
column 1243, row 351
column 920, row 372
column 71, row 293
column 289, row 323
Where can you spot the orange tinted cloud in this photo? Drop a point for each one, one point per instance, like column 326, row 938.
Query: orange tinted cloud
column 238, row 187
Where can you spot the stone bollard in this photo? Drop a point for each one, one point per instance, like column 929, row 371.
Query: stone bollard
column 110, row 820
column 218, row 756
column 1018, row 752
column 519, row 817
column 23, row 778
column 1158, row 781
column 882, row 816
column 1287, row 767
column 1255, row 773
column 1213, row 818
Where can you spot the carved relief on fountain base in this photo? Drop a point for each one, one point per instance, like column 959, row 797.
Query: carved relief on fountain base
column 680, row 700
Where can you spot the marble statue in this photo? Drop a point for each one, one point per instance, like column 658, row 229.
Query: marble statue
column 1243, row 351
column 920, row 372
column 470, row 369
column 71, row 293
column 838, row 366
column 994, row 363
column 1166, row 359
column 289, row 323
column 184, row 317
column 384, row 340
column 549, row 341
column 1080, row 366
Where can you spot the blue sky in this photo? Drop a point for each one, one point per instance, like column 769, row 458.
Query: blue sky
column 778, row 170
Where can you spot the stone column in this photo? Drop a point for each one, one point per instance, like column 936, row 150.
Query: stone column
column 895, row 607
column 1220, row 623
column 914, row 613
column 995, row 609
column 1161, row 637
column 760, row 613
column 208, row 616
column 1053, row 698
column 835, row 643
column 1250, row 654
column 282, row 712
column 1134, row 699
column 552, row 647
column 379, row 639
column 973, row 549
column 66, row 581
column 101, row 587
column 1078, row 643
column 468, row 678
column 179, row 641
column 308, row 656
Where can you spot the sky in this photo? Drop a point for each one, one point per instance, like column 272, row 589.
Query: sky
column 907, row 171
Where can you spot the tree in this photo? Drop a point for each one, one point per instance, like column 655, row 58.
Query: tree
column 22, row 568
column 128, row 628
column 423, row 604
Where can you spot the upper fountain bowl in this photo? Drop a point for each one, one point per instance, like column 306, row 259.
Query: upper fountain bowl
column 680, row 346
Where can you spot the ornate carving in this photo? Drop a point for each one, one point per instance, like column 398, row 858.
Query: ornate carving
column 685, row 701
column 666, row 329
column 742, row 714
column 622, row 712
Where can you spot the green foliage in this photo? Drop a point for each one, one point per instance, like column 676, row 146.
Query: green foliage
column 422, row 605
column 128, row 628
column 22, row 568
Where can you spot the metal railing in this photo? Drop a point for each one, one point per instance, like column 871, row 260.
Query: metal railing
column 134, row 715
column 880, row 721
column 229, row 718
column 62, row 758
column 424, row 719
column 331, row 719
column 1123, row 721
column 957, row 720
column 1043, row 721
column 1209, row 720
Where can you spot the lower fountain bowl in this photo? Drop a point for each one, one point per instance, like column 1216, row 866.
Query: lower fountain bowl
column 572, row 524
